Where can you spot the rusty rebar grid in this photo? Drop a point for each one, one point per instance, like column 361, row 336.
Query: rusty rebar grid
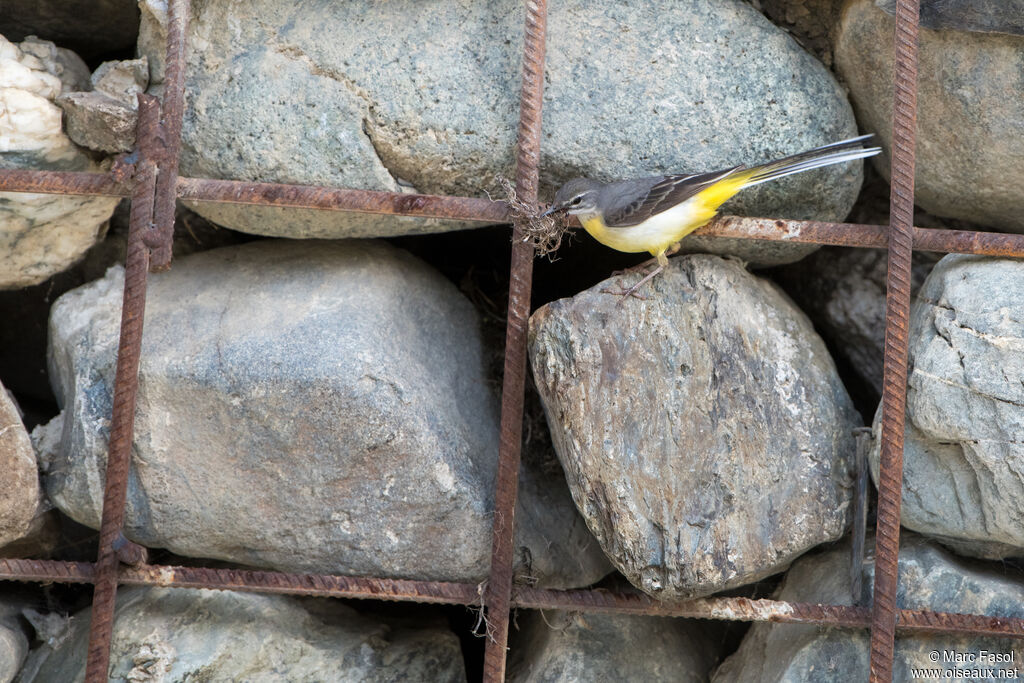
column 897, row 330
column 485, row 210
column 499, row 586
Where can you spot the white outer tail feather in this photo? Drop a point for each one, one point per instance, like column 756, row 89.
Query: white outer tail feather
column 808, row 164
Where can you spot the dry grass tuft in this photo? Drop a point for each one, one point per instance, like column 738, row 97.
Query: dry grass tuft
column 544, row 234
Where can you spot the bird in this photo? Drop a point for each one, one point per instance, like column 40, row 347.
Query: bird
column 653, row 214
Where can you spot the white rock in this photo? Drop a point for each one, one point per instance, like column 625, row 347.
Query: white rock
column 40, row 235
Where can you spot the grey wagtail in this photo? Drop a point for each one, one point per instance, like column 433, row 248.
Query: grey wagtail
column 653, row 214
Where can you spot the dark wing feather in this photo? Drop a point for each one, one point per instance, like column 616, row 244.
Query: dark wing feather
column 634, row 206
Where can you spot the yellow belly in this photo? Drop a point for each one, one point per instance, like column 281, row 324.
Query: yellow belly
column 656, row 234
column 662, row 230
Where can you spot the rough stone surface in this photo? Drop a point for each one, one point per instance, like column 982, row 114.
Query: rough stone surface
column 964, row 450
column 930, row 578
column 90, row 27
column 61, row 62
column 169, row 634
column 40, row 234
column 99, row 122
column 983, row 16
column 843, row 291
column 123, row 80
column 811, row 22
column 970, row 120
column 13, row 639
column 13, row 648
column 704, row 432
column 305, row 406
column 293, row 94
column 562, row 646
column 26, row 311
column 104, row 119
column 20, row 495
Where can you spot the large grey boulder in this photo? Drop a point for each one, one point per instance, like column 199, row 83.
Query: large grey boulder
column 21, row 502
column 930, row 579
column 970, row 115
column 305, row 406
column 965, row 408
column 425, row 94
column 41, row 234
column 175, row 634
column 554, row 645
column 705, row 434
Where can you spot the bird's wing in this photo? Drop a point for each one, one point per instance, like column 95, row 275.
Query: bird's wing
column 632, row 202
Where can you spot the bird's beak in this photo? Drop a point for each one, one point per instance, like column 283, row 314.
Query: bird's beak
column 554, row 208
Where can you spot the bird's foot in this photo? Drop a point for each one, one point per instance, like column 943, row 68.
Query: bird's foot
column 632, row 291
column 625, row 293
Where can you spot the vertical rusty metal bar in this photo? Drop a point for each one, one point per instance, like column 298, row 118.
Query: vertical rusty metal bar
column 499, row 590
column 126, row 384
column 897, row 326
column 170, row 129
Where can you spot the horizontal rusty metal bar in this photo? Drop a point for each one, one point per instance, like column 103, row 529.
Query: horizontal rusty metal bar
column 486, row 210
column 362, row 201
column 47, row 571
column 745, row 609
column 627, row 602
column 860, row 235
column 324, row 585
column 63, row 182
column 251, row 581
column 267, row 194
column 729, row 609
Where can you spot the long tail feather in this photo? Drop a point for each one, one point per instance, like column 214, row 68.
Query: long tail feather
column 835, row 153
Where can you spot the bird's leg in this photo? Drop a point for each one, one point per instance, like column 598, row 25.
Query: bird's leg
column 662, row 260
column 649, row 262
column 643, row 265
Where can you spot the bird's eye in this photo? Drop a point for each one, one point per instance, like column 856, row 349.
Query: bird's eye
column 576, row 201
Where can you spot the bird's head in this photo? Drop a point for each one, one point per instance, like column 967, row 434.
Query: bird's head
column 577, row 196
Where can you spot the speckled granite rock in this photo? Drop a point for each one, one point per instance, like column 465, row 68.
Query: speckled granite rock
column 704, row 432
column 428, row 104
column 970, row 115
column 305, row 406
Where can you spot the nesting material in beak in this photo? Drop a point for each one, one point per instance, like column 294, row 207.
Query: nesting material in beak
column 543, row 231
